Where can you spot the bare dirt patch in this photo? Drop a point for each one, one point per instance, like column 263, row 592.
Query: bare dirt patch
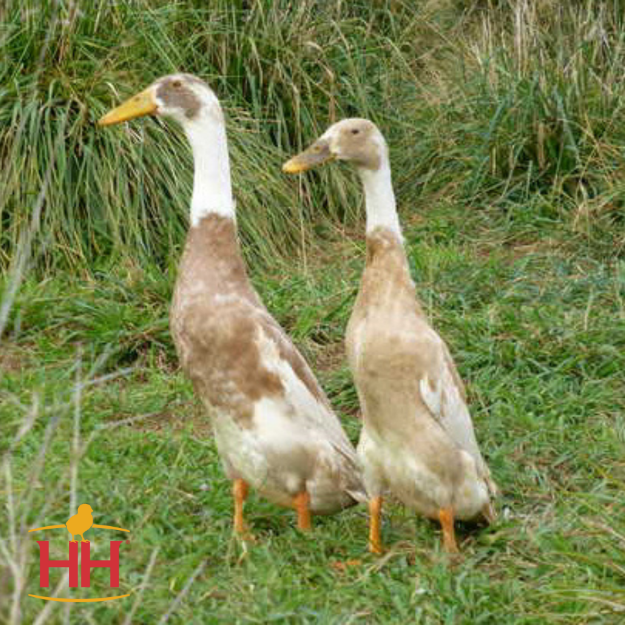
column 13, row 358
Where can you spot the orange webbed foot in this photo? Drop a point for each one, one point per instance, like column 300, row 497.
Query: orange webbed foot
column 245, row 535
column 342, row 566
column 376, row 549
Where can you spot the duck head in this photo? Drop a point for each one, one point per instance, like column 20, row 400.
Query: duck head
column 355, row 140
column 182, row 97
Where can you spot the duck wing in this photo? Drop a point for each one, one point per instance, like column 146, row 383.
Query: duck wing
column 301, row 389
column 442, row 391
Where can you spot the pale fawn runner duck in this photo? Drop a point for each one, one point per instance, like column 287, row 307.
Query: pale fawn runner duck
column 417, row 440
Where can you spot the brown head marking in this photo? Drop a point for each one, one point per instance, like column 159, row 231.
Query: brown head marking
column 175, row 91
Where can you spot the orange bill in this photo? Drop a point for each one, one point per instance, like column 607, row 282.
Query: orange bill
column 319, row 152
column 143, row 103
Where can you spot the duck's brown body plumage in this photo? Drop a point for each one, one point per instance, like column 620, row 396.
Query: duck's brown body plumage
column 274, row 427
column 213, row 319
column 273, row 424
column 412, row 397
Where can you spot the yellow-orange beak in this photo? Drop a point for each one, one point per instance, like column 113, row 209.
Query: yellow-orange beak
column 143, row 103
column 319, row 152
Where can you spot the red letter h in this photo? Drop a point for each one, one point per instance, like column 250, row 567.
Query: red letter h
column 45, row 563
column 86, row 564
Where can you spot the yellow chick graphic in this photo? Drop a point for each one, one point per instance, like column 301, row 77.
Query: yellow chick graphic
column 80, row 522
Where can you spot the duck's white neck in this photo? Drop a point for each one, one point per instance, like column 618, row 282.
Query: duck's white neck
column 380, row 198
column 212, row 189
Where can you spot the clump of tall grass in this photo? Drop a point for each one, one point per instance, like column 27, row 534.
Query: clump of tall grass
column 512, row 104
column 281, row 70
column 551, row 77
column 536, row 111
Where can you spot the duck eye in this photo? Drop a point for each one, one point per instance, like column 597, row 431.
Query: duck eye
column 176, row 84
column 355, row 131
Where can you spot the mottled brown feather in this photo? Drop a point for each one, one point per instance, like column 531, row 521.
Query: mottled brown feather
column 215, row 318
column 392, row 348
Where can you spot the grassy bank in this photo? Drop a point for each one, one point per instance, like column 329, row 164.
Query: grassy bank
column 505, row 122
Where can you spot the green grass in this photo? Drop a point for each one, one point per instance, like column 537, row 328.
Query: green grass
column 539, row 337
column 505, row 122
